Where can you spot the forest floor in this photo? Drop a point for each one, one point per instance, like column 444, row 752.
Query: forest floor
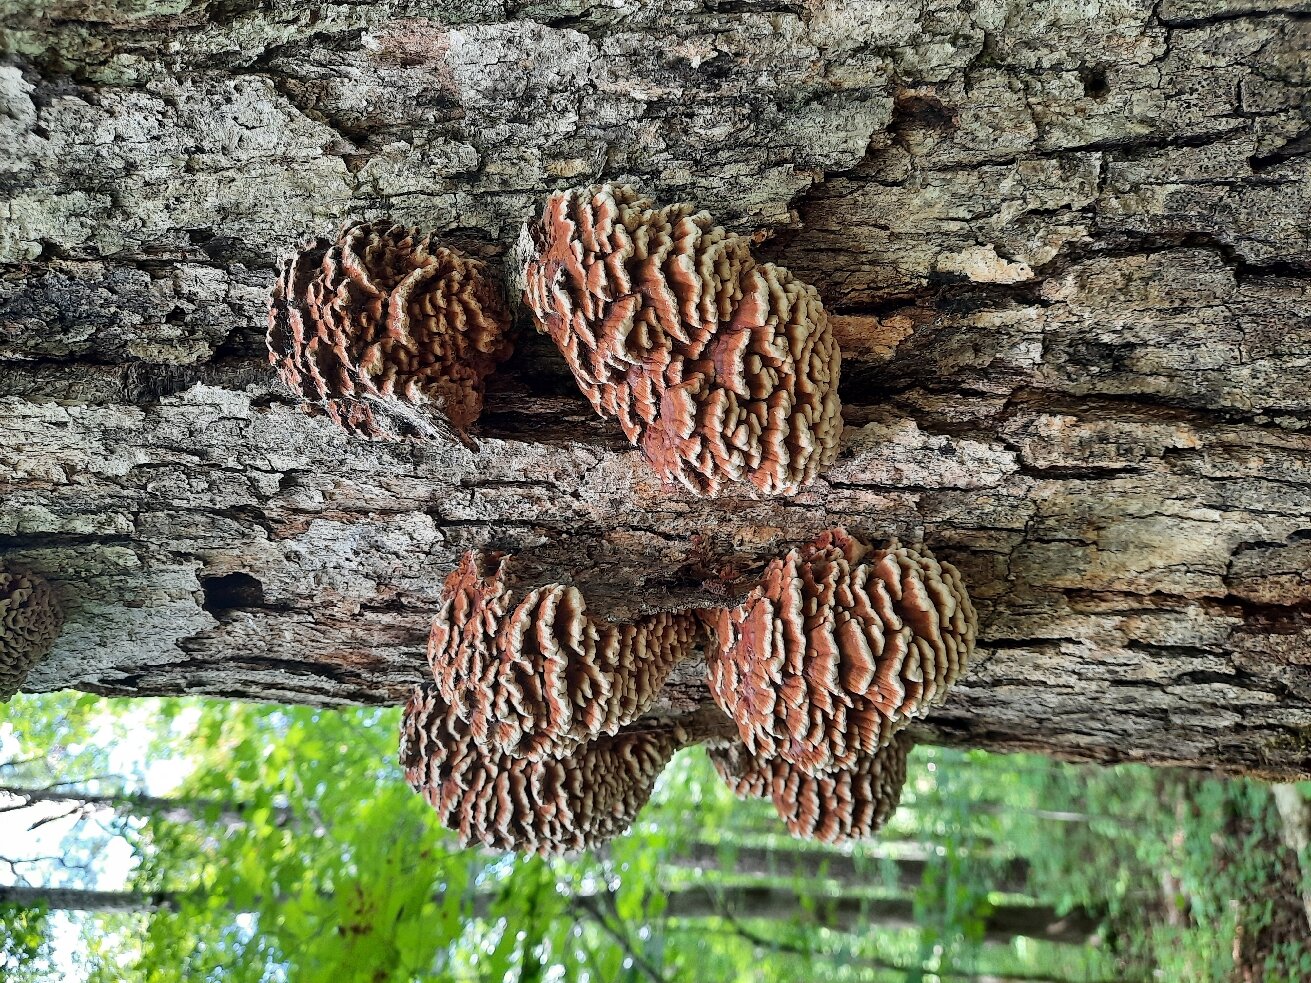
column 1272, row 924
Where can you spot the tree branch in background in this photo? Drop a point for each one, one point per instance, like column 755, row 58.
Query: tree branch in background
column 842, row 914
column 77, row 899
column 178, row 810
column 589, row 906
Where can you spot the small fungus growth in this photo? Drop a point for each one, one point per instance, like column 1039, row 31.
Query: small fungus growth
column 383, row 318
column 721, row 369
column 30, row 619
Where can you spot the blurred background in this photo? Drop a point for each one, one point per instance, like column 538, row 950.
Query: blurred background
column 194, row 840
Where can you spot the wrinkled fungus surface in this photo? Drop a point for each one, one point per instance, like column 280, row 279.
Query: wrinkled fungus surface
column 385, row 316
column 30, row 620
column 537, row 675
column 545, row 806
column 719, row 368
column 849, row 803
column 837, row 647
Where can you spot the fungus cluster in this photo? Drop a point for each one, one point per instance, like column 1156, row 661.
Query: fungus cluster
column 30, row 619
column 539, row 675
column 837, row 648
column 527, row 737
column 548, row 805
column 385, row 316
column 821, row 667
column 519, row 742
column 832, row 807
column 719, row 368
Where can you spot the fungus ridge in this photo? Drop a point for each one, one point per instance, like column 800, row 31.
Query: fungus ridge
column 849, row 803
column 545, row 806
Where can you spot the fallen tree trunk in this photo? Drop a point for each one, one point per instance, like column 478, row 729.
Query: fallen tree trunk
column 1067, row 255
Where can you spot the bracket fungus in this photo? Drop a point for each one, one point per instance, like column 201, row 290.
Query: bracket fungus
column 382, row 317
column 550, row 805
column 539, row 675
column 721, row 369
column 30, row 619
column 849, row 803
column 837, row 647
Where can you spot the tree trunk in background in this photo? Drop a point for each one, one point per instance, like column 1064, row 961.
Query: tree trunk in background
column 792, row 864
column 849, row 913
column 1065, row 245
column 76, row 899
column 845, row 913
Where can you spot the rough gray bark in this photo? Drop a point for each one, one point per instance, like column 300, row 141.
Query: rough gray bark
column 1066, row 246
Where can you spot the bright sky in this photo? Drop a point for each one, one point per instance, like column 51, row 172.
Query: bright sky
column 34, row 832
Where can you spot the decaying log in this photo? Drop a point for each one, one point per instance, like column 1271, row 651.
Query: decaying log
column 1066, row 248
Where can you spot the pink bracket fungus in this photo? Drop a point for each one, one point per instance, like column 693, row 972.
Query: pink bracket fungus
column 837, row 647
column 30, row 619
column 719, row 368
column 384, row 317
column 546, row 806
column 849, row 803
column 538, row 675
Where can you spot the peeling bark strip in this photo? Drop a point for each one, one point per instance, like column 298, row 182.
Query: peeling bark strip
column 1065, row 247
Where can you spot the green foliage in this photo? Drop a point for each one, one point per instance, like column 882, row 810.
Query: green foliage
column 24, row 943
column 293, row 850
column 333, row 862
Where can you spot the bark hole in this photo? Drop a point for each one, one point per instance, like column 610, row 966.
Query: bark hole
column 921, row 111
column 231, row 590
column 1095, row 85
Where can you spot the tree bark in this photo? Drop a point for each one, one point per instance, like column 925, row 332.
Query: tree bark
column 1065, row 247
